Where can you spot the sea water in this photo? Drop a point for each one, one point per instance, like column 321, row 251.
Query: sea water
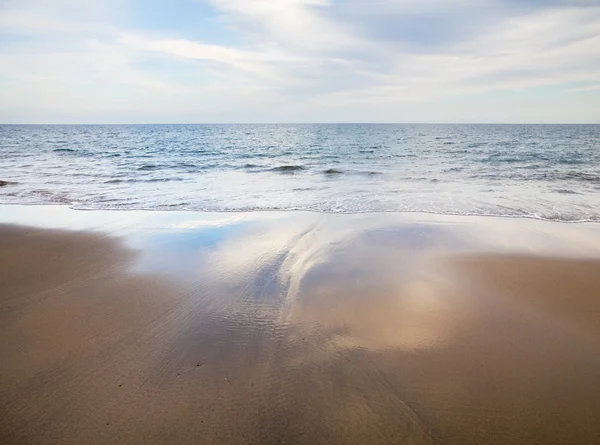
column 541, row 171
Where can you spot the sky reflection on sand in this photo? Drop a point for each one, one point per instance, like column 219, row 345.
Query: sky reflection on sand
column 310, row 328
column 364, row 286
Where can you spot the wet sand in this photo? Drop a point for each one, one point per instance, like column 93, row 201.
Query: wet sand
column 297, row 328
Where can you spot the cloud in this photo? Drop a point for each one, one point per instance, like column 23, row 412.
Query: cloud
column 288, row 59
column 294, row 24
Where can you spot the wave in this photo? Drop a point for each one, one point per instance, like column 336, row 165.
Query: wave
column 254, row 155
column 405, row 155
column 507, row 213
column 163, row 179
column 5, row 183
column 154, row 167
column 79, row 153
column 60, row 198
column 567, row 192
column 124, row 181
column 149, row 167
column 572, row 161
column 49, row 196
column 168, row 206
column 287, row 168
column 186, row 165
column 583, row 177
column 542, row 177
column 497, row 159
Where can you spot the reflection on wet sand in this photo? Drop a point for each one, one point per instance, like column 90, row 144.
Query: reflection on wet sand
column 295, row 328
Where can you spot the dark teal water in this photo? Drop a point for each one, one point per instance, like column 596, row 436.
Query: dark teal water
column 542, row 171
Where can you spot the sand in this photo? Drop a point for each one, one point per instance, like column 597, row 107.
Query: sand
column 298, row 328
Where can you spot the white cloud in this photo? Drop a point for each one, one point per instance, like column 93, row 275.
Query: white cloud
column 298, row 58
column 292, row 23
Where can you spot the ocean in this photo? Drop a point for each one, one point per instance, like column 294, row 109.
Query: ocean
column 539, row 171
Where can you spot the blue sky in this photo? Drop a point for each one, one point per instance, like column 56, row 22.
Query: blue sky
column 134, row 61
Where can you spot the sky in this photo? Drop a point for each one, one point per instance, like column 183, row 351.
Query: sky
column 221, row 61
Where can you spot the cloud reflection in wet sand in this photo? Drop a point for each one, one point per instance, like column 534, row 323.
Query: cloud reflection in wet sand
column 352, row 329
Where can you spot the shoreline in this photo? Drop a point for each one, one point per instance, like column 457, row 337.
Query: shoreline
column 266, row 210
column 154, row 327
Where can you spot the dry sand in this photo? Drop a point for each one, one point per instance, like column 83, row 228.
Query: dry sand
column 316, row 331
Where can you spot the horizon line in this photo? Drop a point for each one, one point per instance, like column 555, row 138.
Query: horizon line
column 303, row 123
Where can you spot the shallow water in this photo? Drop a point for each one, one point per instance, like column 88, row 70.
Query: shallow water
column 540, row 171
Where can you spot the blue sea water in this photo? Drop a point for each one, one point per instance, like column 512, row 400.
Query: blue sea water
column 541, row 171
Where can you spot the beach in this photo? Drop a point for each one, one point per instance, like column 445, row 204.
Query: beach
column 297, row 327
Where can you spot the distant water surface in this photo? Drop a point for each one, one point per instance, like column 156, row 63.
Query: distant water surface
column 540, row 171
